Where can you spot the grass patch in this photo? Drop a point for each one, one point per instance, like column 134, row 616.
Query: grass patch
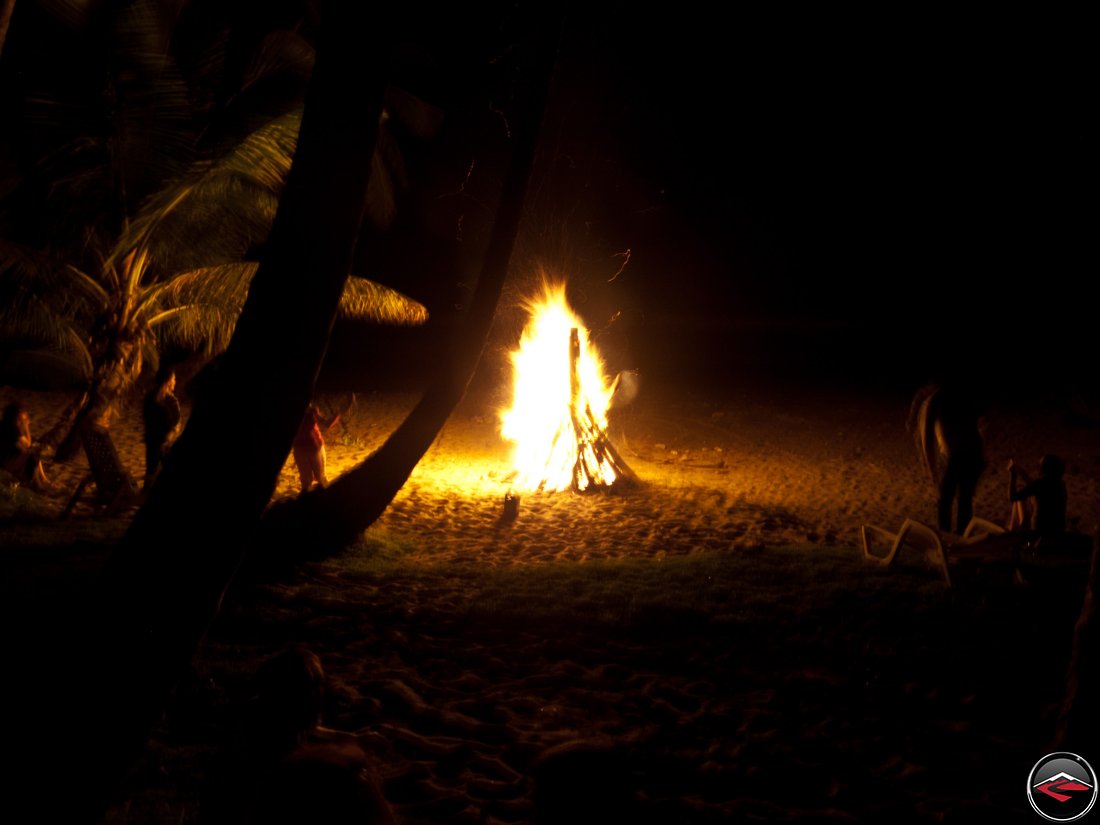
column 19, row 503
column 377, row 552
column 713, row 590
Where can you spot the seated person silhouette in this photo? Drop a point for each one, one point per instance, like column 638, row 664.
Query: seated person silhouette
column 19, row 455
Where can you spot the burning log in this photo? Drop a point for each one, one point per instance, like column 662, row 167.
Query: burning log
column 597, row 463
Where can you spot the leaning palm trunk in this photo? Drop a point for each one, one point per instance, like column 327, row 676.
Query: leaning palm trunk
column 165, row 583
column 112, row 376
column 325, row 520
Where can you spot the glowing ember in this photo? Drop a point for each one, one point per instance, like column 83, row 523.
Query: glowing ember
column 559, row 403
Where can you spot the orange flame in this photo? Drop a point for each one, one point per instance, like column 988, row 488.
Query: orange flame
column 542, row 421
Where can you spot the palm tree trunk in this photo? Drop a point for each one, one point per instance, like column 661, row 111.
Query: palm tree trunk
column 165, row 582
column 325, row 520
column 76, row 416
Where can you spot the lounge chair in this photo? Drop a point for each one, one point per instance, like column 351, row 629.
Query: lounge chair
column 981, row 542
column 114, row 490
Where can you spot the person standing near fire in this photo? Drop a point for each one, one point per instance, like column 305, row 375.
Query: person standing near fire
column 946, row 420
column 309, row 447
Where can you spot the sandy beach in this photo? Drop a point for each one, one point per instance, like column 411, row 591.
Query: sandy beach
column 759, row 467
column 883, row 705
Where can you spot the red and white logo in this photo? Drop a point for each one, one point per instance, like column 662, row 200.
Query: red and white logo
column 1062, row 787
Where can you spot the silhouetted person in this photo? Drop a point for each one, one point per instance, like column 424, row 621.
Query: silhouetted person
column 309, row 448
column 19, row 455
column 161, row 417
column 1040, row 505
column 284, row 766
column 946, row 423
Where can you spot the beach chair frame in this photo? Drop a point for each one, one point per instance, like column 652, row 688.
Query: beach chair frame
column 939, row 550
column 912, row 533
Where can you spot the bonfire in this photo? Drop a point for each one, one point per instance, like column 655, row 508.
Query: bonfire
column 561, row 396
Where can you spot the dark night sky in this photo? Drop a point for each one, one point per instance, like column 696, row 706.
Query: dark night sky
column 921, row 179
column 915, row 183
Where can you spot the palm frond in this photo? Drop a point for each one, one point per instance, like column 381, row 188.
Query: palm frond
column 112, row 280
column 222, row 288
column 264, row 156
column 153, row 133
column 366, row 300
column 76, row 346
column 33, row 324
column 273, row 84
column 224, row 222
column 220, row 210
column 199, row 327
column 199, row 309
column 84, row 282
column 26, row 272
column 63, row 193
column 107, row 134
column 28, row 320
column 20, row 260
column 134, row 264
column 225, row 207
column 47, row 308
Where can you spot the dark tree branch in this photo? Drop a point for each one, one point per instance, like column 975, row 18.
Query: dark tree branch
column 165, row 583
column 326, row 520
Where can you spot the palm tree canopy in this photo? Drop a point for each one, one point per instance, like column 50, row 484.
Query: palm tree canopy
column 198, row 309
column 159, row 193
